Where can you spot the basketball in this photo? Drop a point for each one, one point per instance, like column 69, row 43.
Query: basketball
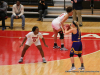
column 66, row 26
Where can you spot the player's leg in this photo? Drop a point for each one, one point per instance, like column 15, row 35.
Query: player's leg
column 23, row 53
column 72, row 56
column 38, row 45
column 61, row 39
column 55, row 39
column 55, row 27
column 41, row 52
column 82, row 64
column 55, row 35
column 81, row 59
column 72, row 62
column 58, row 29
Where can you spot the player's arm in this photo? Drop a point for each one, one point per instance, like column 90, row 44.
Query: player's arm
column 69, row 31
column 64, row 19
column 44, row 42
column 23, row 41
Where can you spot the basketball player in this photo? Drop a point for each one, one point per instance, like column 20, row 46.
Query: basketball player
column 76, row 48
column 56, row 25
column 33, row 37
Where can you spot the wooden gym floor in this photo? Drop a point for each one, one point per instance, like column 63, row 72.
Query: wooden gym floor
column 58, row 61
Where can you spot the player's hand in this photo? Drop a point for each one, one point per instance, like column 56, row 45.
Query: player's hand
column 72, row 2
column 66, row 28
column 45, row 45
column 21, row 45
column 63, row 27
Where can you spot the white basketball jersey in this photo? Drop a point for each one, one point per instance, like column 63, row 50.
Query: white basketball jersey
column 61, row 17
column 31, row 37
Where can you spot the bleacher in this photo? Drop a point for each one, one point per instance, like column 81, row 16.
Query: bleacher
column 30, row 7
column 28, row 11
column 58, row 8
column 30, row 2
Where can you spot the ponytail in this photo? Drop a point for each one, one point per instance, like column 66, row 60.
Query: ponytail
column 76, row 25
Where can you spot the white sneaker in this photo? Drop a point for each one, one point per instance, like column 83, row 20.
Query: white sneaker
column 44, row 61
column 81, row 68
column 56, row 47
column 63, row 49
column 20, row 60
column 72, row 68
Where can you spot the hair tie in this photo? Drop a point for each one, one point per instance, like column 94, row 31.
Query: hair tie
column 74, row 23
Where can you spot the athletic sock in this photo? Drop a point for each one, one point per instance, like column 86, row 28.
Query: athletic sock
column 43, row 58
column 62, row 45
column 55, row 44
column 73, row 65
column 82, row 65
column 21, row 58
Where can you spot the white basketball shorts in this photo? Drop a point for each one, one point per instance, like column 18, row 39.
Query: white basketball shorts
column 29, row 43
column 56, row 24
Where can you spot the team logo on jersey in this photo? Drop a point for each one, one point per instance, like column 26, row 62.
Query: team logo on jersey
column 34, row 38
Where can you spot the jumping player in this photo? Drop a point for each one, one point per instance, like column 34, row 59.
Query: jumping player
column 33, row 37
column 76, row 48
column 56, row 25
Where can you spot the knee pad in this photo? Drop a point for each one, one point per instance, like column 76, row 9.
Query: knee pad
column 79, row 55
column 61, row 34
column 71, row 55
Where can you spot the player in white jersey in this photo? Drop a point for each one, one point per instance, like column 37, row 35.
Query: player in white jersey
column 56, row 25
column 33, row 37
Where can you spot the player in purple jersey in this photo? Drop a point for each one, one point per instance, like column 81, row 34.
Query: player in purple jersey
column 76, row 48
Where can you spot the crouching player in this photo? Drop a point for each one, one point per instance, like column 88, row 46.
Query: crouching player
column 33, row 37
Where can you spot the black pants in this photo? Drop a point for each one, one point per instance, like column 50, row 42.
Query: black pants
column 44, row 12
column 3, row 15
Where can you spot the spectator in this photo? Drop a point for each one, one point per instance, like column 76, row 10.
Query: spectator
column 18, row 11
column 3, row 12
column 42, row 7
column 77, row 7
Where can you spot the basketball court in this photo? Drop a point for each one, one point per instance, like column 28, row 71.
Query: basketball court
column 58, row 62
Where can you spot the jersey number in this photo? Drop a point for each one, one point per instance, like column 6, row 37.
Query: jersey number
column 61, row 15
column 34, row 40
